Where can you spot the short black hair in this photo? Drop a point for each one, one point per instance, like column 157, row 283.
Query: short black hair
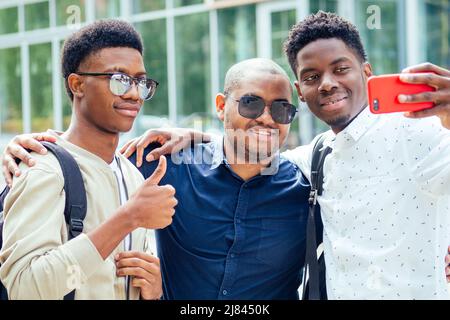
column 108, row 33
column 322, row 25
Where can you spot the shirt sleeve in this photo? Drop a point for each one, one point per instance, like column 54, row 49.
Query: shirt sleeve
column 427, row 147
column 36, row 260
column 302, row 157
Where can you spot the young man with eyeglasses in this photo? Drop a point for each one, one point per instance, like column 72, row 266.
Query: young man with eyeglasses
column 107, row 83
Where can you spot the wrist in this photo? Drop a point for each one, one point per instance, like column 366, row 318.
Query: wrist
column 130, row 221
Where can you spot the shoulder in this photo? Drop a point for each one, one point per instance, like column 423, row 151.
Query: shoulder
column 46, row 164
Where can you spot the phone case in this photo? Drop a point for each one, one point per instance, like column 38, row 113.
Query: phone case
column 383, row 92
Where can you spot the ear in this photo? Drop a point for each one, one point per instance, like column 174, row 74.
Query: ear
column 220, row 106
column 76, row 85
column 367, row 68
column 299, row 92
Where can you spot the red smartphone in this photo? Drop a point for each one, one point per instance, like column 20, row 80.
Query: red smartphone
column 383, row 92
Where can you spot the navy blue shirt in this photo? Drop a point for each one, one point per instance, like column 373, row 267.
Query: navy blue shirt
column 230, row 238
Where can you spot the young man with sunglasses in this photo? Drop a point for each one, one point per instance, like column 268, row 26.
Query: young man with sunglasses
column 107, row 83
column 239, row 227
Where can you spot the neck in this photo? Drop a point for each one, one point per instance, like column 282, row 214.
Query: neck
column 99, row 142
column 241, row 167
column 338, row 129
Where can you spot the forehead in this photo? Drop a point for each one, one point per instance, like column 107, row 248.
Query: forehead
column 117, row 58
column 265, row 84
column 322, row 52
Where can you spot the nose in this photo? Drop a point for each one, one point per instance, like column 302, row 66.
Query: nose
column 266, row 118
column 132, row 93
column 328, row 83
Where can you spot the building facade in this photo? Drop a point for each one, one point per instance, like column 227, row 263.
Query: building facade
column 189, row 45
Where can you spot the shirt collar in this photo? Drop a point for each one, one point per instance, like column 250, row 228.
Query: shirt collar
column 219, row 158
column 354, row 131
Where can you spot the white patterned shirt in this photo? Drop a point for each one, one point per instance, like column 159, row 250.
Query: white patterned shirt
column 385, row 207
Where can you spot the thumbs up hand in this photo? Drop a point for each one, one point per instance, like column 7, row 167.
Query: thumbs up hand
column 152, row 206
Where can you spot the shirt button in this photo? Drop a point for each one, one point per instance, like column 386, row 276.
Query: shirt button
column 238, row 220
column 224, row 292
column 232, row 255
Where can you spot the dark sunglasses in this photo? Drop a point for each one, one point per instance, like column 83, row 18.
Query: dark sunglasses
column 120, row 83
column 252, row 107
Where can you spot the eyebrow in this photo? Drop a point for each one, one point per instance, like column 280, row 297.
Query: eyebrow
column 122, row 70
column 338, row 60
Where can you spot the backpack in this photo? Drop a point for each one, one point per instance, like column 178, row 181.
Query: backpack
column 75, row 205
column 314, row 288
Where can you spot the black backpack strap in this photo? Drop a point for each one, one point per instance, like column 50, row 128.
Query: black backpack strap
column 312, row 290
column 75, row 208
column 76, row 202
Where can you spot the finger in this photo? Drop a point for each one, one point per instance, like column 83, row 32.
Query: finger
column 159, row 173
column 420, row 97
column 27, row 142
column 125, row 147
column 138, row 263
column 44, row 136
column 133, row 272
column 7, row 175
column 137, row 254
column 435, row 111
column 167, row 148
column 139, row 282
column 140, row 152
column 18, row 152
column 11, row 165
column 430, row 79
column 427, row 67
column 131, row 148
column 447, row 259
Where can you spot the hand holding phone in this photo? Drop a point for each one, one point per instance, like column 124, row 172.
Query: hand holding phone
column 383, row 92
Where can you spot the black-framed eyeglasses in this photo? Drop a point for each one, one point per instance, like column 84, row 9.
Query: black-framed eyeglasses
column 252, row 107
column 120, row 83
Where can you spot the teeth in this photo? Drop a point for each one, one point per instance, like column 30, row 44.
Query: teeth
column 333, row 102
column 262, row 132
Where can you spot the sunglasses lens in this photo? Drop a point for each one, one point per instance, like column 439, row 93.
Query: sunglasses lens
column 283, row 112
column 251, row 107
column 119, row 84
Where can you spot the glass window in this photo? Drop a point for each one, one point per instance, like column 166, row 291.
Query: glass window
column 37, row 16
column 107, row 8
column 438, row 32
column 181, row 3
column 41, row 87
column 11, row 97
column 237, row 37
column 70, row 12
column 324, row 5
column 381, row 44
column 140, row 6
column 155, row 59
column 193, row 63
column 281, row 24
column 66, row 103
column 9, row 20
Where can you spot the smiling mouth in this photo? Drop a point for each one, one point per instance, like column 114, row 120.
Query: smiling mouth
column 333, row 102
